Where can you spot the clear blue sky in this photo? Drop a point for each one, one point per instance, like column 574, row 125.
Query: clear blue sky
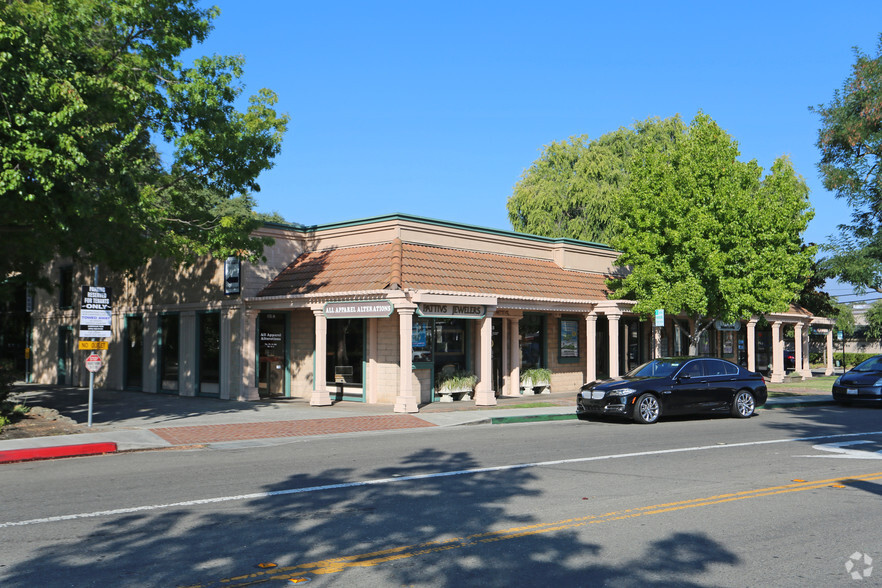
column 437, row 108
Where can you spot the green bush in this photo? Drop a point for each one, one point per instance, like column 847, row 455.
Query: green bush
column 849, row 360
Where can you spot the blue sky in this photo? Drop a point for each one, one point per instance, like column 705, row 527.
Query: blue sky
column 437, row 108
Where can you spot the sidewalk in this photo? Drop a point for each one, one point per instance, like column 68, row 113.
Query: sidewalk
column 126, row 421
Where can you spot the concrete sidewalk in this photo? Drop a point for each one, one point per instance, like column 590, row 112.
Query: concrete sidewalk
column 126, row 421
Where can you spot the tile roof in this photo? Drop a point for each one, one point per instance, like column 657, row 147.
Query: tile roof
column 424, row 267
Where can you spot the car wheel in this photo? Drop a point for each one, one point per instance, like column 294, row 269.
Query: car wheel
column 743, row 405
column 646, row 409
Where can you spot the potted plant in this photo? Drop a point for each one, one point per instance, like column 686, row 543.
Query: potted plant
column 458, row 385
column 536, row 380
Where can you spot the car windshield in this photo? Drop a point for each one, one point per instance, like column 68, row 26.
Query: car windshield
column 874, row 364
column 657, row 368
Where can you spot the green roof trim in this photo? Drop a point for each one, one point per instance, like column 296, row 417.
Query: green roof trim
column 440, row 223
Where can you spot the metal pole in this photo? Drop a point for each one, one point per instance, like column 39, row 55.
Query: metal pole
column 92, row 374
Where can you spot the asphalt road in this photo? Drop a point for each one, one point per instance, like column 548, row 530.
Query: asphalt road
column 786, row 498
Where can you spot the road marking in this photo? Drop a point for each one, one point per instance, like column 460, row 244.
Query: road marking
column 840, row 451
column 392, row 480
column 373, row 558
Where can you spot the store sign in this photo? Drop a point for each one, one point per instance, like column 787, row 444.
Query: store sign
column 721, row 326
column 436, row 310
column 96, row 319
column 358, row 309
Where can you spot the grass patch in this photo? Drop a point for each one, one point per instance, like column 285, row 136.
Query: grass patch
column 819, row 384
column 530, row 405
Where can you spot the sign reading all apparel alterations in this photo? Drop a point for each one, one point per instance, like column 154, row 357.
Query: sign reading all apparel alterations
column 96, row 321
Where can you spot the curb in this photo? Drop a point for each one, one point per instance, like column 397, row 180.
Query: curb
column 16, row 455
column 532, row 418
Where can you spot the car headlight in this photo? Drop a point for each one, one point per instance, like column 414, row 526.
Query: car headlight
column 836, row 383
column 621, row 392
column 878, row 382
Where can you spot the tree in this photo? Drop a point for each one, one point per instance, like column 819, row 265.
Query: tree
column 706, row 235
column 874, row 320
column 850, row 140
column 90, row 92
column 573, row 189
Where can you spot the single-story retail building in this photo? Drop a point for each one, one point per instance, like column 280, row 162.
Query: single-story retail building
column 380, row 310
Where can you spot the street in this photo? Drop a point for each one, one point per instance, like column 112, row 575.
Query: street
column 785, row 498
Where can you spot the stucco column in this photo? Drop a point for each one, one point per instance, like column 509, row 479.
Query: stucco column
column 320, row 395
column 405, row 401
column 613, row 344
column 777, row 353
column 829, row 370
column 800, row 345
column 484, row 395
column 189, row 352
column 248, row 350
column 590, row 347
column 751, row 345
column 514, row 354
column 151, row 356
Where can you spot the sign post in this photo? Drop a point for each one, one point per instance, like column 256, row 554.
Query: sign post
column 96, row 322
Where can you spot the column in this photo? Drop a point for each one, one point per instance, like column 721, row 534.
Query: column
column 320, row 395
column 405, row 401
column 777, row 353
column 800, row 359
column 829, row 370
column 514, row 353
column 150, row 368
column 189, row 351
column 248, row 350
column 484, row 394
column 590, row 346
column 613, row 344
column 751, row 345
column 806, row 352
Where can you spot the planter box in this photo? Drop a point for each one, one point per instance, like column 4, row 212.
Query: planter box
column 528, row 386
column 450, row 394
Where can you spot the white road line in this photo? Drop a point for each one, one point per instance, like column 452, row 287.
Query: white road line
column 259, row 495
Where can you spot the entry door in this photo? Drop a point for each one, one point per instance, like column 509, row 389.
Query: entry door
column 65, row 355
column 271, row 355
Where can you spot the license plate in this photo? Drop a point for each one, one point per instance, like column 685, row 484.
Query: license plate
column 852, row 391
column 597, row 395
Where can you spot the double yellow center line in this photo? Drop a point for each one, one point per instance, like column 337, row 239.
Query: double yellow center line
column 338, row 564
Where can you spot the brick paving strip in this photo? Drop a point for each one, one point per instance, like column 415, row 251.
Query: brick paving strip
column 189, row 435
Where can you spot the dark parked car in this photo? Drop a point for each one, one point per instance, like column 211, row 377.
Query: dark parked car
column 675, row 385
column 862, row 382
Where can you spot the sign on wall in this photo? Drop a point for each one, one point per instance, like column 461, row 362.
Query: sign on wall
column 96, row 321
column 358, row 309
column 438, row 310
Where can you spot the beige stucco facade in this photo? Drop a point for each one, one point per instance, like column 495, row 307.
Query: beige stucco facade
column 602, row 337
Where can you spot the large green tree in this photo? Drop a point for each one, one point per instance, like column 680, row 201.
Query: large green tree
column 850, row 140
column 91, row 92
column 573, row 189
column 709, row 236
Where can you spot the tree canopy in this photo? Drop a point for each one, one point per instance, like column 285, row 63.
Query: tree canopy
column 707, row 235
column 573, row 189
column 91, row 91
column 850, row 140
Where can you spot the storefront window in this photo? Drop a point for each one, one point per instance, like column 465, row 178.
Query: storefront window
column 169, row 352
column 345, row 352
column 271, row 355
column 532, row 331
column 450, row 337
column 209, row 354
column 422, row 340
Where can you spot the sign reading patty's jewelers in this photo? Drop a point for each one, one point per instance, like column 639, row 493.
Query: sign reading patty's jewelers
column 444, row 310
column 358, row 309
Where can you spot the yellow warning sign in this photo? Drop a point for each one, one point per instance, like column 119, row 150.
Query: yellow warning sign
column 92, row 345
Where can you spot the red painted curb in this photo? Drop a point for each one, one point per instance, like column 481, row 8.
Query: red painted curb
column 14, row 455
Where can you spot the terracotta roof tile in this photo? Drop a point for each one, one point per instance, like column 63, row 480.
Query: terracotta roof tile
column 425, row 267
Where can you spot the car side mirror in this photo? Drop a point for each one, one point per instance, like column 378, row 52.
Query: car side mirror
column 684, row 377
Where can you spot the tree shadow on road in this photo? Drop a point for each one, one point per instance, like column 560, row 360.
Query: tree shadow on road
column 408, row 526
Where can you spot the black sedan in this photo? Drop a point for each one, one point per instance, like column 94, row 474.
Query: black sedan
column 675, row 385
column 862, row 382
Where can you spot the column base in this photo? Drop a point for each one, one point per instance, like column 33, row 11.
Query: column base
column 776, row 378
column 485, row 398
column 406, row 404
column 250, row 393
column 320, row 398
